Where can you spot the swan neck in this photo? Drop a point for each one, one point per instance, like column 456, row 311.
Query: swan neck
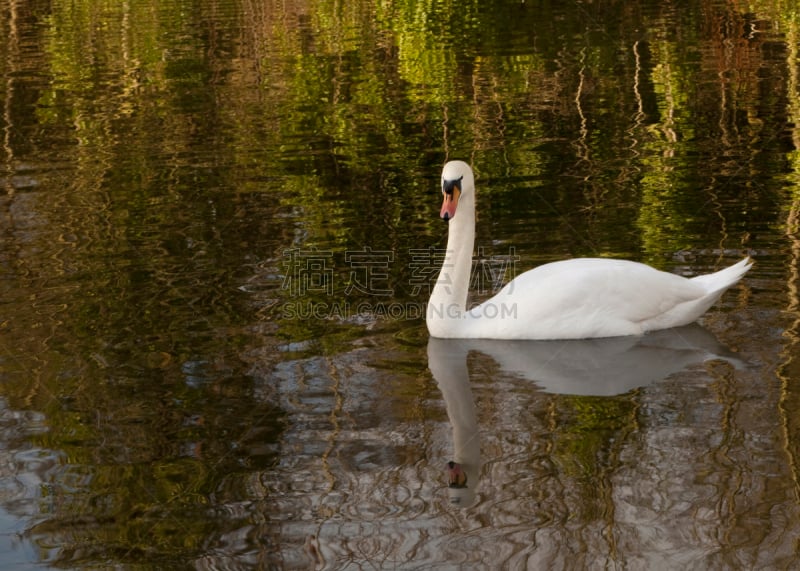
column 452, row 287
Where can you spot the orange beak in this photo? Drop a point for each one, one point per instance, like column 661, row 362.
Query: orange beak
column 449, row 204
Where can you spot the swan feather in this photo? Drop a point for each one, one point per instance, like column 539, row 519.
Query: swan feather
column 570, row 299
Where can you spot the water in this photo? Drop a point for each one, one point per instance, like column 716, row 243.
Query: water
column 219, row 227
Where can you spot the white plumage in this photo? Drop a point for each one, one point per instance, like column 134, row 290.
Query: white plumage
column 572, row 299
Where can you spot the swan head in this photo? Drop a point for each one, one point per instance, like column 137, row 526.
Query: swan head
column 457, row 181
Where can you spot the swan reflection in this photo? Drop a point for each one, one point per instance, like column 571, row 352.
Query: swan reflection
column 593, row 367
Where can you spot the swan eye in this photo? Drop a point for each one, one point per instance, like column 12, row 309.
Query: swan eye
column 449, row 185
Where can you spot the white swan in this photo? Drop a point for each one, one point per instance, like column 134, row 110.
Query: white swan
column 572, row 299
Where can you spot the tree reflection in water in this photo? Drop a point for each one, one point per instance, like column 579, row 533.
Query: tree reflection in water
column 159, row 409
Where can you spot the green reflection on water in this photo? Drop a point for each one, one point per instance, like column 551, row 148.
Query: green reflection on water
column 159, row 159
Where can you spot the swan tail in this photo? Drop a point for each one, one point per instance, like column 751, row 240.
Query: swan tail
column 714, row 285
column 723, row 279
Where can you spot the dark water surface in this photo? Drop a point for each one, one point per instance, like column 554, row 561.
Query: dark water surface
column 218, row 230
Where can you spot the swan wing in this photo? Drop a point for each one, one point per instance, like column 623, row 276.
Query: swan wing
column 590, row 297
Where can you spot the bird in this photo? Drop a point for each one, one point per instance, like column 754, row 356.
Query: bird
column 579, row 298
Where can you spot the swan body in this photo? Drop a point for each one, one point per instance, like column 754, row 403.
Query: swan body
column 571, row 299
